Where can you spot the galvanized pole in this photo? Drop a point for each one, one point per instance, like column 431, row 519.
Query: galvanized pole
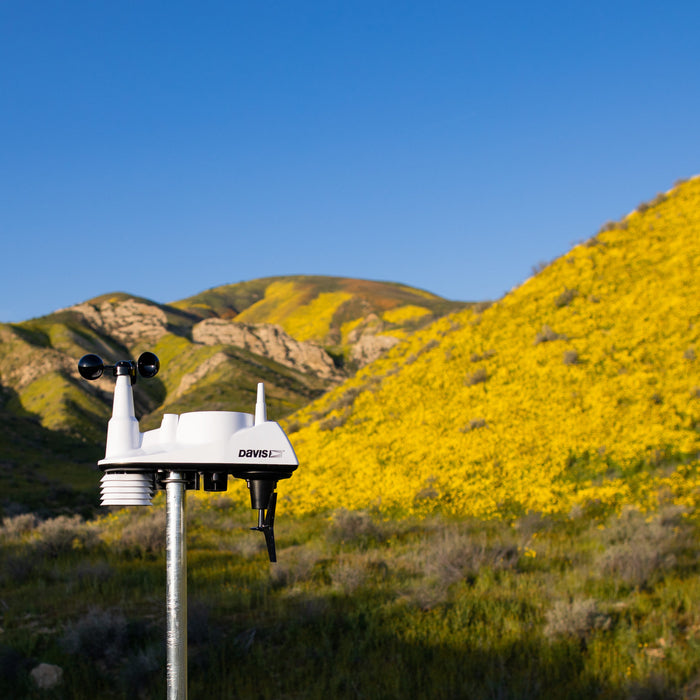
column 176, row 586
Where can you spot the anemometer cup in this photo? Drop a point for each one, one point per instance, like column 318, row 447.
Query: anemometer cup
column 92, row 367
column 148, row 365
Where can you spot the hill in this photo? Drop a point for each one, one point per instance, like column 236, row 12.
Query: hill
column 356, row 320
column 209, row 360
column 580, row 388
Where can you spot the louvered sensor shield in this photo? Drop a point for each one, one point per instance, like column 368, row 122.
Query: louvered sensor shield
column 127, row 489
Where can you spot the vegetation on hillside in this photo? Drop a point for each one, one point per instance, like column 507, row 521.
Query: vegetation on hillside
column 580, row 387
column 318, row 308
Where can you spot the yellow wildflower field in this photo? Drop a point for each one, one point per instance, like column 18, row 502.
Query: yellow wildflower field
column 581, row 387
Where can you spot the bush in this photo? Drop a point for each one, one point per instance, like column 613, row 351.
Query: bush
column 571, row 357
column 334, row 421
column 64, row 533
column 547, row 335
column 93, row 573
column 479, row 307
column 346, row 399
column 565, row 298
column 14, row 528
column 296, row 564
column 428, row 492
column 456, row 556
column 575, row 618
column 640, row 548
column 293, row 427
column 478, row 377
column 446, row 558
column 100, row 635
column 348, row 575
column 145, row 534
column 474, row 424
column 478, row 357
column 608, row 226
column 349, row 526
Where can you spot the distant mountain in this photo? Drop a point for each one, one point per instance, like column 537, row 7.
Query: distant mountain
column 300, row 335
column 580, row 389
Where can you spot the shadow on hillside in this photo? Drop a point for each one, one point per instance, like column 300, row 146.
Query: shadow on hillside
column 42, row 470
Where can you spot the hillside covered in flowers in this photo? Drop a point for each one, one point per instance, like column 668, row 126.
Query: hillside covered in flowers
column 579, row 389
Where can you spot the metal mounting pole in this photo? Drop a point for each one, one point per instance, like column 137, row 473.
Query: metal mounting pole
column 176, row 586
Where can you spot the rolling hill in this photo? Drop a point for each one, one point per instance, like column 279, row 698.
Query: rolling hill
column 579, row 389
column 355, row 320
column 300, row 335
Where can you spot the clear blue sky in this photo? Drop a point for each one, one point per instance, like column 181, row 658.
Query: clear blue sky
column 163, row 148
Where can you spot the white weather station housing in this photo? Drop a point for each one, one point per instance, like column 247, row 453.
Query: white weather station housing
column 188, row 451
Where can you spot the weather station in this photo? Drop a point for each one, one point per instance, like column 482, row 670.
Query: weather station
column 200, row 449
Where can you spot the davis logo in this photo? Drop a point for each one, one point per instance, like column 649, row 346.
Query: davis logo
column 264, row 454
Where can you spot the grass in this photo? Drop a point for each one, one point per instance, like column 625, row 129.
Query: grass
column 358, row 606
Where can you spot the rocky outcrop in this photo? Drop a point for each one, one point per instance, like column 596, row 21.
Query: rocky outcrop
column 129, row 321
column 369, row 347
column 269, row 341
column 366, row 341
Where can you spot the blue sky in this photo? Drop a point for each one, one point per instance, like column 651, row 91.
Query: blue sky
column 163, row 148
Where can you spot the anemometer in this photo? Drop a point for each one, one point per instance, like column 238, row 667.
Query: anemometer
column 200, row 449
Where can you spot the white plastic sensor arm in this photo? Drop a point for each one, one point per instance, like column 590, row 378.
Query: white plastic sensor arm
column 123, row 428
column 260, row 408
